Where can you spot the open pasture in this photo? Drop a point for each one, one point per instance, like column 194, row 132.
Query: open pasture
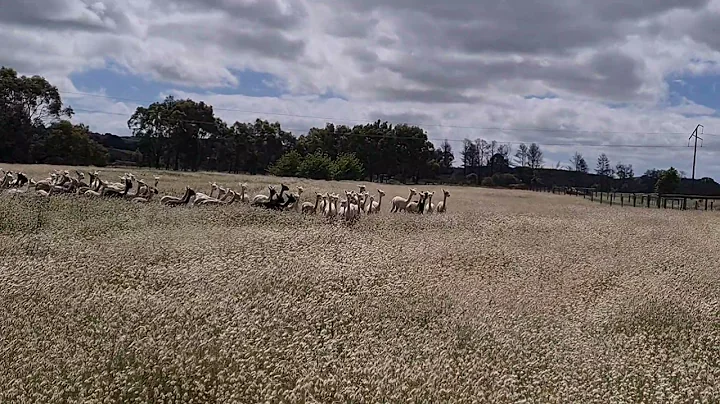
column 509, row 295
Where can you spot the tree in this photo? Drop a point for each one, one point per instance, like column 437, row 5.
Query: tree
column 578, row 163
column 521, row 155
column 288, row 165
column 317, row 166
column 470, row 155
column 27, row 104
column 444, row 156
column 669, row 181
column 535, row 156
column 624, row 171
column 347, row 167
column 603, row 166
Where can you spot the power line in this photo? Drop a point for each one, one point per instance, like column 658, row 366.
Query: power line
column 579, row 145
column 501, row 129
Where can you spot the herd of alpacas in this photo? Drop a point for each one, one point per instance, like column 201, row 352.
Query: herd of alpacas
column 350, row 208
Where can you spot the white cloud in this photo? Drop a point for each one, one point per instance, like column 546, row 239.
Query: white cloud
column 452, row 63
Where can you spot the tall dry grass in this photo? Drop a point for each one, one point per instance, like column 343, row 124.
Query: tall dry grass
column 510, row 296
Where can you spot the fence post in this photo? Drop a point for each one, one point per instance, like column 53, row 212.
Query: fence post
column 622, row 202
column 684, row 204
column 706, row 203
column 601, row 194
column 634, row 200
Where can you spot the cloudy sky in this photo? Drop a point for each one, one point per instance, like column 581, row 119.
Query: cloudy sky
column 557, row 72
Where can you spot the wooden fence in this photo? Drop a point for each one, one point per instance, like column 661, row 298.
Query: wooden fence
column 654, row 200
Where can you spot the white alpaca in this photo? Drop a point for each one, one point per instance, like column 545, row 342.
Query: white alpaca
column 442, row 206
column 399, row 203
column 374, row 207
column 414, row 206
column 429, row 207
column 260, row 198
column 308, row 207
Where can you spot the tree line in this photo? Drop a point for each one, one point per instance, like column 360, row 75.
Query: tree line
column 183, row 134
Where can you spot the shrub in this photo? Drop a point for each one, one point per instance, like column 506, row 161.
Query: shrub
column 472, row 178
column 504, row 180
column 317, row 166
column 668, row 181
column 487, row 182
column 347, row 167
column 288, row 165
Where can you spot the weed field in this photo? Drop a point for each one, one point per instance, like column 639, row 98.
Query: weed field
column 509, row 296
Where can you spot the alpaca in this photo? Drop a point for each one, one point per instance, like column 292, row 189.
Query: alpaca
column 429, row 207
column 146, row 197
column 414, row 206
column 375, row 206
column 260, row 198
column 111, row 192
column 331, row 209
column 368, row 206
column 442, row 206
column 296, row 206
column 308, row 207
column 183, row 201
column 324, row 203
column 242, row 197
column 399, row 203
column 352, row 210
column 214, row 201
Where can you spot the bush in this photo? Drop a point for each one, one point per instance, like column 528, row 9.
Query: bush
column 347, row 167
column 317, row 166
column 472, row 178
column 288, row 165
column 669, row 181
column 504, row 180
column 487, row 182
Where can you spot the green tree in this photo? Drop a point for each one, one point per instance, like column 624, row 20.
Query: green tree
column 27, row 104
column 65, row 143
column 317, row 166
column 347, row 167
column 288, row 165
column 668, row 182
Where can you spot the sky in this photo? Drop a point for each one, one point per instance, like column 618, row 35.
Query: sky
column 591, row 76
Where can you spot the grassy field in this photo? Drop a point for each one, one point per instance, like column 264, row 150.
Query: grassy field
column 510, row 296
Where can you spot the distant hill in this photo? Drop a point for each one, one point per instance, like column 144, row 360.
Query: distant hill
column 123, row 150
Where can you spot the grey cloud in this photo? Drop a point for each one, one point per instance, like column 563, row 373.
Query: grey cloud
column 428, row 96
column 272, row 44
column 608, row 74
column 365, row 58
column 267, row 13
column 399, row 118
column 64, row 15
column 353, row 25
column 626, row 10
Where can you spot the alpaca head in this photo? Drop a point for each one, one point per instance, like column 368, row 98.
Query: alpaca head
column 283, row 188
column 300, row 190
column 243, row 186
column 413, row 191
column 362, row 188
column 319, row 196
column 381, row 192
column 446, row 193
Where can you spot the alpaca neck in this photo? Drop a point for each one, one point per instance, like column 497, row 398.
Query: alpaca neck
column 317, row 202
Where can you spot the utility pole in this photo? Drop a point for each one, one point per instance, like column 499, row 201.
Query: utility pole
column 695, row 135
